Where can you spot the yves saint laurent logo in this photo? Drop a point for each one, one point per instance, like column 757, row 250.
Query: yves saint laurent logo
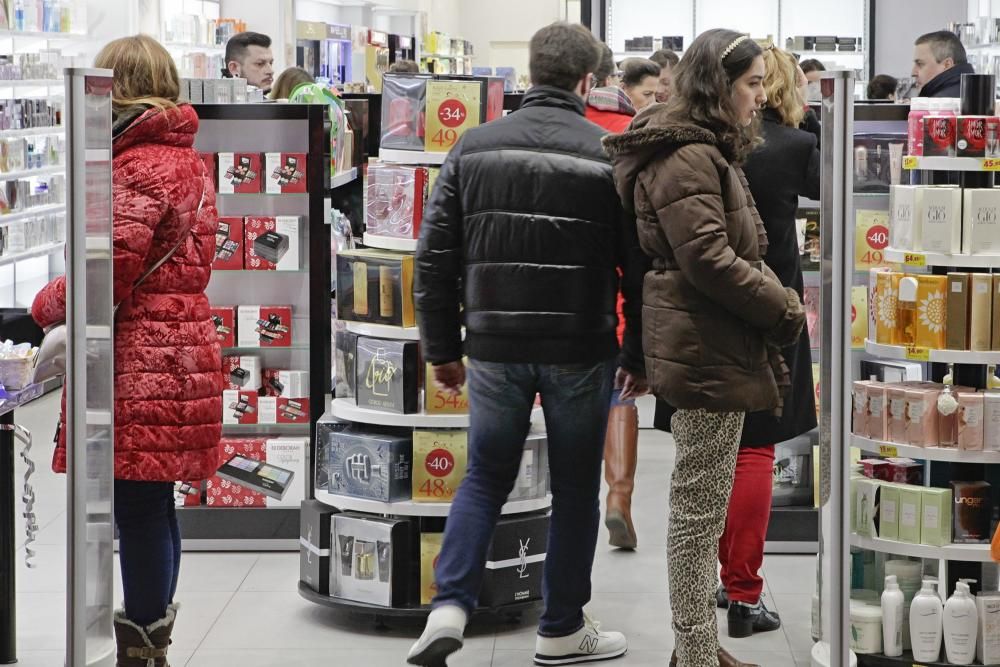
column 589, row 644
column 522, row 553
column 986, row 215
column 937, row 214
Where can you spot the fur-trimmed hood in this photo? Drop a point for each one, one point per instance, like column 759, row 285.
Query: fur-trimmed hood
column 651, row 134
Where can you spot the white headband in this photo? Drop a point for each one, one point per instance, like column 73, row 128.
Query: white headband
column 736, row 42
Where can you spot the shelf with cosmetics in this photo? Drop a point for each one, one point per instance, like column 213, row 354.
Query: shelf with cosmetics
column 971, row 553
column 891, row 449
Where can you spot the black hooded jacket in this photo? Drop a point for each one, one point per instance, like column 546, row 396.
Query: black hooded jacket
column 948, row 83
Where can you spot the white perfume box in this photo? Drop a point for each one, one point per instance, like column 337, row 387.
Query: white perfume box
column 981, row 221
column 991, row 421
column 290, row 454
column 988, row 637
column 939, row 210
column 903, row 234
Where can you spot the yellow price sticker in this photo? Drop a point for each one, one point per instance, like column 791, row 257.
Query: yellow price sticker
column 991, row 164
column 888, row 451
column 918, row 353
column 911, row 162
column 915, row 259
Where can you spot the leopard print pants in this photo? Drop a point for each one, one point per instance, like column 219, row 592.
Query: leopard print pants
column 707, row 445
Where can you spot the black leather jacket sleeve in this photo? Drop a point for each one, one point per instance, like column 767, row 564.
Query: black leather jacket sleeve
column 438, row 273
column 634, row 265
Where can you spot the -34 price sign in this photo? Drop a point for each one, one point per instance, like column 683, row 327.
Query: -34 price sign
column 452, row 108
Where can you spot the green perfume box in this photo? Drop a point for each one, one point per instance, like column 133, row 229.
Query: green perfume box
column 935, row 523
column 888, row 513
column 909, row 514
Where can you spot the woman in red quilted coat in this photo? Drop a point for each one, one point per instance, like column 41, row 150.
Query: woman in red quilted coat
column 168, row 377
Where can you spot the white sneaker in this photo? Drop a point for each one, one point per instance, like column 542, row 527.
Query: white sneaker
column 588, row 644
column 443, row 635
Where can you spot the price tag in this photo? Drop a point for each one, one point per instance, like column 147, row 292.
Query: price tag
column 911, row 162
column 888, row 451
column 914, row 353
column 452, row 108
column 871, row 238
column 991, row 164
column 915, row 259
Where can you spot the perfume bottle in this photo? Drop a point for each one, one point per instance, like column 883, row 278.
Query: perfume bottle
column 906, row 313
column 385, row 307
column 360, row 289
column 947, row 406
column 19, row 15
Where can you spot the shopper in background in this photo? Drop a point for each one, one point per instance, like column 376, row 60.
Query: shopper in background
column 404, row 67
column 607, row 104
column 640, row 78
column 288, row 81
column 882, row 87
column 813, row 69
column 667, row 60
column 714, row 316
column 248, row 56
column 939, row 62
column 168, row 369
column 781, row 170
column 524, row 236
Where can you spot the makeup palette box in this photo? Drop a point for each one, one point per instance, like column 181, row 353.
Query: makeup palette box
column 903, row 233
column 315, row 538
column 388, row 375
column 515, row 561
column 242, row 373
column 958, row 299
column 188, row 494
column 240, row 173
column 229, row 245
column 973, row 512
column 372, row 560
column 375, row 286
column 439, row 463
column 437, row 401
column 272, row 243
column 371, row 464
column 888, row 524
column 936, row 513
column 430, row 551
column 981, row 312
column 239, row 407
column 281, row 410
column 225, row 493
column 971, row 408
column 931, row 311
column 533, row 476
column 286, row 173
column 939, row 214
column 396, row 195
column 910, row 506
column 264, row 326
column 981, row 221
column 939, row 135
column 345, row 367
column 211, row 169
column 224, row 319
column 285, row 383
column 289, row 454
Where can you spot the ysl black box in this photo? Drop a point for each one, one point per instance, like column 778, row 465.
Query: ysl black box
column 314, row 545
column 388, row 375
column 515, row 561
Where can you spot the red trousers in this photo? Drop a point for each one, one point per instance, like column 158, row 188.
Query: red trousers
column 741, row 548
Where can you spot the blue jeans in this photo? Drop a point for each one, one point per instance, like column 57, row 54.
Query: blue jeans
column 501, row 397
column 149, row 547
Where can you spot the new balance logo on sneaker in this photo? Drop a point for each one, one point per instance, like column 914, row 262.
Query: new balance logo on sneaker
column 588, row 644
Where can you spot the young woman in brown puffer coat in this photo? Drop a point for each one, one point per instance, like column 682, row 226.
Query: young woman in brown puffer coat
column 714, row 316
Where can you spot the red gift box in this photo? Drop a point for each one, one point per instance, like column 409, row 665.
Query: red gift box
column 905, row 471
column 939, row 135
column 223, row 493
column 264, row 326
column 224, row 318
column 241, row 173
column 242, row 373
column 876, row 469
column 229, row 244
column 286, row 172
column 211, row 169
column 283, row 258
column 281, row 382
column 239, row 407
column 281, row 410
column 971, row 138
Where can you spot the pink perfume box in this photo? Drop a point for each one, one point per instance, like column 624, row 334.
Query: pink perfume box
column 878, row 411
column 970, row 421
column 896, row 396
column 921, row 417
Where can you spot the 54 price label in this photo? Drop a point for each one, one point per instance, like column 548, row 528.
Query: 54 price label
column 915, row 259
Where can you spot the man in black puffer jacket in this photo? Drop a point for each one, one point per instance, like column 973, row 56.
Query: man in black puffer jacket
column 525, row 236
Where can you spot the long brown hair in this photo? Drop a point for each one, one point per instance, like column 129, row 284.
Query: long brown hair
column 288, row 81
column 703, row 89
column 144, row 73
column 779, row 84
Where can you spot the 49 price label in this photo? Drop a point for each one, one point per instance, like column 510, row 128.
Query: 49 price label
column 871, row 239
column 452, row 108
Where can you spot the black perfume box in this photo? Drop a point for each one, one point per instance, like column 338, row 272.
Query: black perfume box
column 314, row 545
column 388, row 375
column 372, row 559
column 375, row 286
column 272, row 246
column 376, row 465
column 972, row 513
column 345, row 357
column 515, row 561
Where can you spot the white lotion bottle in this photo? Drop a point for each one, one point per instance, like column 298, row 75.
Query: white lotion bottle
column 961, row 626
column 892, row 618
column 925, row 623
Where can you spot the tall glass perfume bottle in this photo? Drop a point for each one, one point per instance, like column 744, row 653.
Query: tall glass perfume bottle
column 906, row 313
column 947, row 406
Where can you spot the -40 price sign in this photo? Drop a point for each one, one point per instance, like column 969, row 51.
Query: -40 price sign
column 452, row 108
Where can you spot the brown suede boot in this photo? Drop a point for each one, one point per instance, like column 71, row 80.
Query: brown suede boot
column 621, row 446
column 725, row 660
column 144, row 647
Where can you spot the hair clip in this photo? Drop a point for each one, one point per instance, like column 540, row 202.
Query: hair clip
column 736, row 42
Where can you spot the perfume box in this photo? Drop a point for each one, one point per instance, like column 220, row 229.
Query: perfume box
column 515, row 561
column 935, row 516
column 394, row 205
column 239, row 407
column 280, row 410
column 370, row 464
column 991, row 421
column 887, row 289
column 891, row 371
column 957, row 324
column 896, row 396
column 375, row 286
column 345, row 367
column 264, row 326
column 973, row 512
column 981, row 312
column 902, row 470
column 287, row 384
column 240, row 173
column 437, row 401
column 939, row 135
column 859, row 396
column 286, row 172
column 921, row 411
column 388, row 375
column 971, row 410
column 430, row 550
column 878, row 411
column 229, row 245
column 910, row 498
column 325, row 426
column 404, row 103
column 902, row 205
column 533, row 475
column 315, row 537
column 272, row 243
column 988, row 637
column 211, row 169
column 224, row 319
column 888, row 523
column 981, row 221
column 242, row 372
column 866, row 503
column 188, row 494
column 289, row 454
column 939, row 211
column 372, row 563
column 995, row 334
column 439, row 462
column 970, row 140
column 931, row 311
column 225, row 493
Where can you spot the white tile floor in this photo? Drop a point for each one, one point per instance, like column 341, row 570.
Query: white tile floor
column 242, row 608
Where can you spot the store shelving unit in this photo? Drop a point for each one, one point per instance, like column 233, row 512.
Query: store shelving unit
column 937, row 356
column 944, row 454
column 972, row 553
column 411, row 508
column 390, row 243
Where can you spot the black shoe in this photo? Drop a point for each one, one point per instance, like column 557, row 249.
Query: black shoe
column 721, row 598
column 745, row 619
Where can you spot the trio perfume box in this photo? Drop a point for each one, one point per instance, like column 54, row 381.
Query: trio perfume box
column 345, row 366
column 439, row 464
column 272, row 243
column 240, row 173
column 242, row 372
column 315, row 538
column 370, row 464
column 394, row 205
column 387, row 375
column 286, row 173
column 264, row 326
column 375, row 286
column 224, row 319
column 515, row 561
column 229, row 244
column 372, row 562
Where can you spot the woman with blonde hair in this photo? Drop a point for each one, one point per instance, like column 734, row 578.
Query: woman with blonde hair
column 168, row 368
